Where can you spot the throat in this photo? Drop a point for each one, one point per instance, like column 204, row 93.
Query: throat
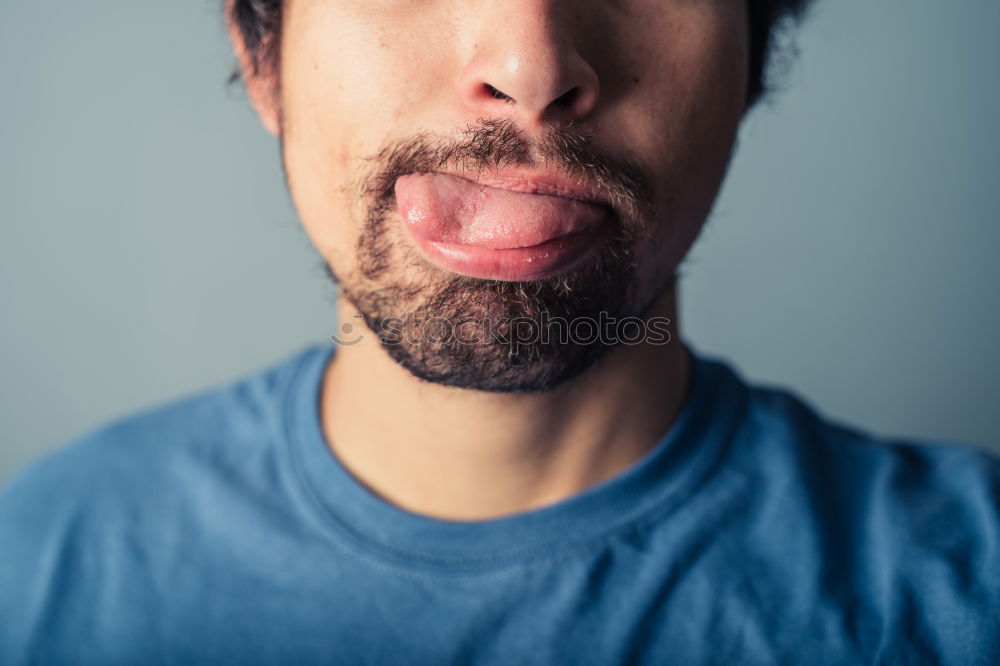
column 456, row 454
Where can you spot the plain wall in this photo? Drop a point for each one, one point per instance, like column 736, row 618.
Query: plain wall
column 149, row 248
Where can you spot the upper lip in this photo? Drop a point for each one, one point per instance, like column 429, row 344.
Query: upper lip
column 535, row 182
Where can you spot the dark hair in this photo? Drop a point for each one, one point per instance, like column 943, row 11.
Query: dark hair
column 260, row 23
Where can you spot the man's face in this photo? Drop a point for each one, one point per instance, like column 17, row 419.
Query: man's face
column 498, row 164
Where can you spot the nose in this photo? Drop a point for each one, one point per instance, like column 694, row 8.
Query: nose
column 527, row 64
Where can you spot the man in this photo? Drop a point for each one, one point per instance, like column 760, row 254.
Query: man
column 509, row 456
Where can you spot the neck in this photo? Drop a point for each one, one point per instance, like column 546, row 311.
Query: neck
column 457, row 454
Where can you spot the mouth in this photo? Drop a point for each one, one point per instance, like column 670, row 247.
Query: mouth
column 505, row 225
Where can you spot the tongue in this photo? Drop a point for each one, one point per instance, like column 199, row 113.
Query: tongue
column 450, row 209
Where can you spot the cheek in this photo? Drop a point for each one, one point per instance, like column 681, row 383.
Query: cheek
column 346, row 89
column 315, row 167
column 687, row 119
column 318, row 134
column 690, row 98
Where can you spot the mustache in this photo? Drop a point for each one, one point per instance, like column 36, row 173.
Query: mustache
column 493, row 144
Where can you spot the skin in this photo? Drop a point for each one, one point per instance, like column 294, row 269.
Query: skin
column 661, row 83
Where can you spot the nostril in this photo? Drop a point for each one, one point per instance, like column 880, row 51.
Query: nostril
column 566, row 100
column 497, row 94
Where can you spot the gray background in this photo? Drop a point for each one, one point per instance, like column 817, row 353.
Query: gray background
column 149, row 248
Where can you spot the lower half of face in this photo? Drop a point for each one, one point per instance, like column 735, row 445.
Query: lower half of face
column 487, row 251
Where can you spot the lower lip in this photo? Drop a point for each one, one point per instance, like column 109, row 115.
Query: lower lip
column 537, row 262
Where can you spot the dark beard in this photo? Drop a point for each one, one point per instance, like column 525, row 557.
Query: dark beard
column 493, row 335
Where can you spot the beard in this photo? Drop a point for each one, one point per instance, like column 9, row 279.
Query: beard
column 496, row 335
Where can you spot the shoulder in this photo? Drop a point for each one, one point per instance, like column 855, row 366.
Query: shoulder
column 69, row 520
column 158, row 445
column 908, row 482
column 902, row 530
column 904, row 475
column 150, row 445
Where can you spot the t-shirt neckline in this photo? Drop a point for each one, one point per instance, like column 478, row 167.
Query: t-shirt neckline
column 667, row 474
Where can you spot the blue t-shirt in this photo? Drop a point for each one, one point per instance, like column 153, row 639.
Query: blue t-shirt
column 221, row 530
